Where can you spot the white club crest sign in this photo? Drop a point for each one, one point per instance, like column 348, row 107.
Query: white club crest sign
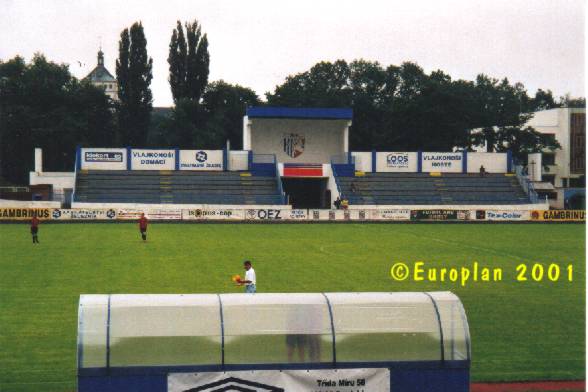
column 293, row 144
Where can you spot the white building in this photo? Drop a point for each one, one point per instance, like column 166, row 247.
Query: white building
column 559, row 175
column 102, row 78
column 565, row 167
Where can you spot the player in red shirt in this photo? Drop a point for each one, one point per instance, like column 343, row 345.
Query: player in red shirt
column 35, row 229
column 143, row 226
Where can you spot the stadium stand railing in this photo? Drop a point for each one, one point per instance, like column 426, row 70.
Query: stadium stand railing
column 77, row 165
column 527, row 184
column 280, row 186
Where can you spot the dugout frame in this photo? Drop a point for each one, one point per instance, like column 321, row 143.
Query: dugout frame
column 133, row 342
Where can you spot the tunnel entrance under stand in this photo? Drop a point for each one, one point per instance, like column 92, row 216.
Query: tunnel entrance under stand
column 306, row 192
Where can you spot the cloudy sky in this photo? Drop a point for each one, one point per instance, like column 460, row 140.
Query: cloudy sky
column 258, row 43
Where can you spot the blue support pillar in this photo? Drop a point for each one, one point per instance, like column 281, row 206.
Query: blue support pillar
column 464, row 162
column 78, row 158
column 177, row 159
column 129, row 164
column 509, row 161
column 225, row 158
column 374, row 161
column 419, row 161
column 349, row 157
column 249, row 159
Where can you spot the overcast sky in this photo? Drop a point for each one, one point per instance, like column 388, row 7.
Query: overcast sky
column 258, row 43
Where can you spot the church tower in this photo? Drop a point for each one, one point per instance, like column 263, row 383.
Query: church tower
column 102, row 78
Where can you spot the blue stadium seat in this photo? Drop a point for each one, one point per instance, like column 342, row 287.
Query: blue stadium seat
column 175, row 187
column 424, row 189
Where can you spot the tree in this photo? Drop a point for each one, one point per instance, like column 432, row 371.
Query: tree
column 543, row 100
column 218, row 118
column 504, row 113
column 567, row 101
column 134, row 74
column 42, row 105
column 223, row 107
column 402, row 108
column 189, row 62
column 395, row 108
column 178, row 54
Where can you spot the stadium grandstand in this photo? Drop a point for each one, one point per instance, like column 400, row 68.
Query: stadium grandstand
column 175, row 187
column 295, row 158
column 422, row 188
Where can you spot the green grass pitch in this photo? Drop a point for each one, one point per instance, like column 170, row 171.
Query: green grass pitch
column 520, row 331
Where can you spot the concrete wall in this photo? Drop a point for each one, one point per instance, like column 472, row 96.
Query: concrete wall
column 322, row 138
column 436, row 162
column 59, row 180
column 363, row 160
column 499, row 207
column 29, row 204
column 143, row 206
column 492, row 162
column 238, row 160
column 331, row 183
column 137, row 206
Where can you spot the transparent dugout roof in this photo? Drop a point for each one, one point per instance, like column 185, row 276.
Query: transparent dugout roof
column 210, row 329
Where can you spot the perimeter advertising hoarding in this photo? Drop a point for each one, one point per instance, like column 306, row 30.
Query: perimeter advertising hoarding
column 103, row 158
column 152, row 214
column 446, row 162
column 559, row 215
column 25, row 213
column 209, row 160
column 213, row 214
column 507, row 215
column 147, row 159
column 83, row 214
column 390, row 214
column 440, row 215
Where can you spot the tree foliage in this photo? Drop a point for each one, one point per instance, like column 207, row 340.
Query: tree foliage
column 134, row 74
column 402, row 108
column 218, row 118
column 43, row 105
column 567, row 101
column 188, row 61
column 223, row 107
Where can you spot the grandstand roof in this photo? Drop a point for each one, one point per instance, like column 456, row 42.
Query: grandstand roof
column 301, row 113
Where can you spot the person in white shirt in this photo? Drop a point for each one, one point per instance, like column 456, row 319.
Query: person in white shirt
column 249, row 280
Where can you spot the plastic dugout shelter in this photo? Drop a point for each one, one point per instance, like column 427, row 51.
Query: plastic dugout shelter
column 133, row 342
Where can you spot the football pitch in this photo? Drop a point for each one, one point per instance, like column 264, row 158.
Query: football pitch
column 520, row 330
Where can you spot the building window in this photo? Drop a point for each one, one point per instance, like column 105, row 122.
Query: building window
column 548, row 158
column 549, row 178
column 578, row 143
column 579, row 182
